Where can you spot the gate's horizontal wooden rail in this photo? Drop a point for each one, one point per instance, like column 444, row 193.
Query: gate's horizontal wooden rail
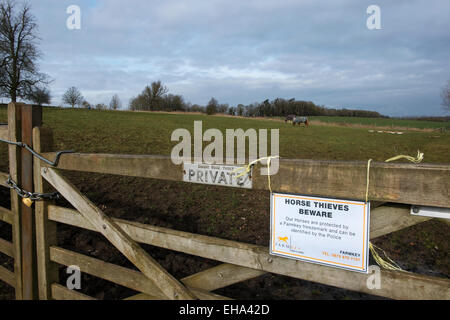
column 60, row 292
column 221, row 276
column 3, row 178
column 384, row 219
column 420, row 184
column 4, row 132
column 6, row 215
column 7, row 276
column 396, row 285
column 123, row 276
column 7, row 248
column 390, row 218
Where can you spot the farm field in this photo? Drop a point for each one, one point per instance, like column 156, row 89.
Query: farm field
column 383, row 122
column 227, row 213
column 149, row 133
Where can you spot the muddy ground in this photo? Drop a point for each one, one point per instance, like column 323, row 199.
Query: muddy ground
column 232, row 214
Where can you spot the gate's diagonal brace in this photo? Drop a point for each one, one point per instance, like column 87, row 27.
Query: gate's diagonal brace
column 172, row 288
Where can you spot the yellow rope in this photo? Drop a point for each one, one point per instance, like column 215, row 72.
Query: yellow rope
column 246, row 170
column 390, row 264
column 417, row 159
column 368, row 180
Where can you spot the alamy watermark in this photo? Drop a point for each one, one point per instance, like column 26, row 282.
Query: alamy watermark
column 213, row 153
column 374, row 20
column 74, row 280
column 73, row 22
column 374, row 279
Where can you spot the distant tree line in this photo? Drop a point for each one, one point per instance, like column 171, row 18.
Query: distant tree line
column 155, row 97
column 282, row 107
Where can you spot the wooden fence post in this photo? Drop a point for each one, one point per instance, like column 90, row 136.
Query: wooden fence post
column 31, row 117
column 15, row 130
column 45, row 229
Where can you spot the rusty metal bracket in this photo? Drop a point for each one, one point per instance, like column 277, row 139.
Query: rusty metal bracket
column 37, row 155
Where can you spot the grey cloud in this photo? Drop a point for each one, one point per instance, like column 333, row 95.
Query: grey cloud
column 245, row 51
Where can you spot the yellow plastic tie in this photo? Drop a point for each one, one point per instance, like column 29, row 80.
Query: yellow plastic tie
column 416, row 160
column 390, row 264
column 246, row 170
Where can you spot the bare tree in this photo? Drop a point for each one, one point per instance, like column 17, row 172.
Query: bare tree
column 115, row 103
column 19, row 74
column 101, row 106
column 40, row 96
column 158, row 89
column 240, row 110
column 73, row 97
column 151, row 98
column 445, row 94
column 158, row 92
column 212, row 106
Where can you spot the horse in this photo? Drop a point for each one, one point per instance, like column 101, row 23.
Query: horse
column 289, row 118
column 300, row 120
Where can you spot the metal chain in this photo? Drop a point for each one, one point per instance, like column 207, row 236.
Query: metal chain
column 34, row 196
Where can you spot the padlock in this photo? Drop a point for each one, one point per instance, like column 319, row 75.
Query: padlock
column 28, row 202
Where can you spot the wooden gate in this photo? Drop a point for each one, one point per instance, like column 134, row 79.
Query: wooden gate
column 11, row 216
column 21, row 119
column 391, row 191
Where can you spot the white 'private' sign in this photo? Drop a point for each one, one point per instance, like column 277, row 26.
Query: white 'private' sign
column 218, row 175
column 325, row 231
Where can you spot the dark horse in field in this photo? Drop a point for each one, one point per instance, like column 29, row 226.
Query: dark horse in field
column 297, row 120
column 289, row 118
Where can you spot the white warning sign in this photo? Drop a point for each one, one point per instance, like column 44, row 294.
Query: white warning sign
column 319, row 230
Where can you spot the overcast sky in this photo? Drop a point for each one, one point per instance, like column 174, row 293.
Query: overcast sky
column 251, row 50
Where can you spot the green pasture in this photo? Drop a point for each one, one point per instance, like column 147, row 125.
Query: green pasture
column 150, row 133
column 384, row 122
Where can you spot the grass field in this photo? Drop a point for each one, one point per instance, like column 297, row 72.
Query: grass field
column 384, row 122
column 149, row 133
column 228, row 213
